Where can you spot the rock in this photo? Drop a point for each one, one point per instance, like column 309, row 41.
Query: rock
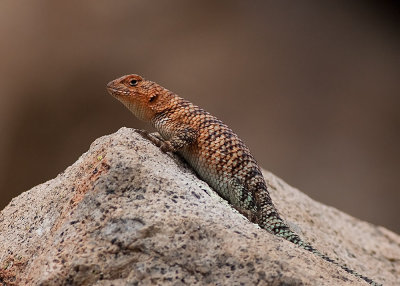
column 127, row 214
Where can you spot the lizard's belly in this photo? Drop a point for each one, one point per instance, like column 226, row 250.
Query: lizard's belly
column 234, row 175
column 212, row 173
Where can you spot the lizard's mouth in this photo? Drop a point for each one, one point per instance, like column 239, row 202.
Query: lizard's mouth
column 116, row 92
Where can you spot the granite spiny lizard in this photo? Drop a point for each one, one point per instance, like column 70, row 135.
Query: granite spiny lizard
column 214, row 151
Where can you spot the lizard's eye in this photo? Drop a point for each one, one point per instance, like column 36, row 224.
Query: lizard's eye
column 133, row 82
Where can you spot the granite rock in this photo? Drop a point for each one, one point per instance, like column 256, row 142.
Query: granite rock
column 127, row 214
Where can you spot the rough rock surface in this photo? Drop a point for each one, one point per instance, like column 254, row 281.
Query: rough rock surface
column 127, row 214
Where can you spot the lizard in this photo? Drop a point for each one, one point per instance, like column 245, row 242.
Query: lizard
column 213, row 150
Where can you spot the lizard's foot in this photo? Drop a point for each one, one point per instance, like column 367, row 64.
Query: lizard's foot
column 157, row 140
column 144, row 133
column 166, row 146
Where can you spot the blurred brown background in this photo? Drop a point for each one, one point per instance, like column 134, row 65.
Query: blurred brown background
column 311, row 86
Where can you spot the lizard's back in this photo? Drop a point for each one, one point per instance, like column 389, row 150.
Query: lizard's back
column 218, row 155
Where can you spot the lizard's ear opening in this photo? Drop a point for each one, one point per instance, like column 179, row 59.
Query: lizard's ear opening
column 153, row 97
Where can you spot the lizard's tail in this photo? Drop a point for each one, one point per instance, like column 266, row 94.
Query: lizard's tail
column 272, row 222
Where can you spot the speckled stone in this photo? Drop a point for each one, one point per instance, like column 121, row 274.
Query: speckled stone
column 127, row 214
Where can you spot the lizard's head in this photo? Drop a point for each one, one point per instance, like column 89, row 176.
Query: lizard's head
column 142, row 97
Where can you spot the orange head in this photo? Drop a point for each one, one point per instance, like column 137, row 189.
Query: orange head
column 143, row 98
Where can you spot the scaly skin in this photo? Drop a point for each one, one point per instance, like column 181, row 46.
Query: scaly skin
column 213, row 150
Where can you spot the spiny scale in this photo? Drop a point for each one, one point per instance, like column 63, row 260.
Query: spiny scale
column 214, row 151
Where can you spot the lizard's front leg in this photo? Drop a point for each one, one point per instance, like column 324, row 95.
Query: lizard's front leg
column 153, row 137
column 181, row 137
